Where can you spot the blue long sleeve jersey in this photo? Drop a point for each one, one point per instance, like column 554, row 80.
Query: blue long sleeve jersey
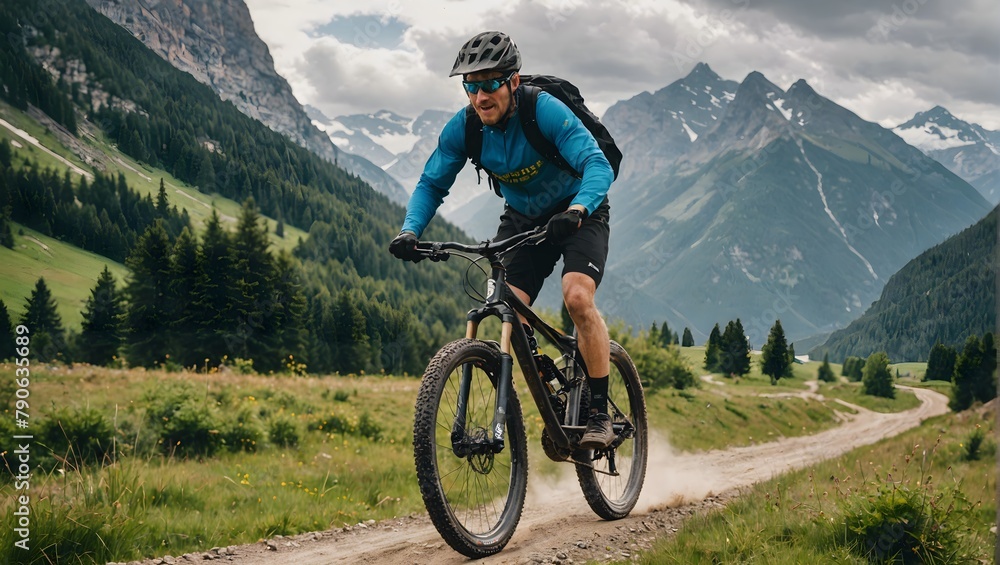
column 530, row 184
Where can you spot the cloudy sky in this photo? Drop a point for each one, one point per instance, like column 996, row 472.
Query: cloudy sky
column 883, row 59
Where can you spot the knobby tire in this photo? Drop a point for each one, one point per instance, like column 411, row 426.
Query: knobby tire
column 612, row 497
column 474, row 502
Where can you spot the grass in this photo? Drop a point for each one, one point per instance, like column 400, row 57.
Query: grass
column 851, row 392
column 152, row 501
column 922, row 475
column 69, row 271
column 331, row 479
column 749, row 409
column 909, row 370
column 44, row 136
column 714, row 417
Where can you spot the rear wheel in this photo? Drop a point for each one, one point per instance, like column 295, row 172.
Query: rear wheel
column 473, row 499
column 613, row 483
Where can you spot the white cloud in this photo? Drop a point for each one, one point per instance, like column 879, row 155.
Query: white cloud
column 854, row 52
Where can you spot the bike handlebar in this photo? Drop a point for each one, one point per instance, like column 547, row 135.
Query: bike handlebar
column 439, row 250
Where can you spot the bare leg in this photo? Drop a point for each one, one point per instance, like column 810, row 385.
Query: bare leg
column 595, row 345
column 524, row 298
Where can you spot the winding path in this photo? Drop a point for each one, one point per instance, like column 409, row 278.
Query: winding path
column 557, row 525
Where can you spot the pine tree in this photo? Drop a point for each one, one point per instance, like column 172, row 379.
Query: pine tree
column 6, row 235
column 967, row 367
column 940, row 363
column 162, row 204
column 6, row 155
column 279, row 230
column 746, row 340
column 654, row 335
column 688, row 339
column 774, row 358
column 986, row 385
column 734, row 353
column 205, row 180
column 853, row 368
column 7, row 343
column 825, row 372
column 291, row 315
column 975, row 373
column 185, row 270
column 321, row 341
column 254, row 273
column 147, row 320
column 666, row 335
column 712, row 348
column 213, row 298
column 877, row 379
column 48, row 340
column 351, row 334
column 101, row 337
column 845, row 369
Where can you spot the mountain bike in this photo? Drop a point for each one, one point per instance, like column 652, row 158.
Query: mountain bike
column 469, row 436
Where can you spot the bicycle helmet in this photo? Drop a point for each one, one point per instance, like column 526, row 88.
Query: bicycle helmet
column 487, row 51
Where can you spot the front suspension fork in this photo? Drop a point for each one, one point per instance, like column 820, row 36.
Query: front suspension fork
column 461, row 443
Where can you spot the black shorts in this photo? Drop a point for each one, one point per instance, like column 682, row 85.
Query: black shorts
column 585, row 252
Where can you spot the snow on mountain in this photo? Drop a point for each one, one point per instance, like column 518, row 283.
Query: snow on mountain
column 968, row 150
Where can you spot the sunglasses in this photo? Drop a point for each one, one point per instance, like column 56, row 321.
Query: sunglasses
column 489, row 86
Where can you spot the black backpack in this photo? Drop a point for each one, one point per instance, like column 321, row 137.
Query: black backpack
column 569, row 95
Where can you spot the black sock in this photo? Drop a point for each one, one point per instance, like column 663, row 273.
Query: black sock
column 598, row 395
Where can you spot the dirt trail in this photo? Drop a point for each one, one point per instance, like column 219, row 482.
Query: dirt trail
column 558, row 527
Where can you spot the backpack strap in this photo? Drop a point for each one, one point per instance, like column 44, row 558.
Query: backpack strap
column 474, row 148
column 529, row 124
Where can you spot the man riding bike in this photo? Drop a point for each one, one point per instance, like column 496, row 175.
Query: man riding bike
column 574, row 210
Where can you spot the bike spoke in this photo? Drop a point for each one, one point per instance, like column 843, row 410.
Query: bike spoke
column 613, row 495
column 476, row 497
column 475, row 500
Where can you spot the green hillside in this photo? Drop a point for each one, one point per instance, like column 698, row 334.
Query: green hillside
column 944, row 295
column 69, row 271
column 133, row 119
column 141, row 177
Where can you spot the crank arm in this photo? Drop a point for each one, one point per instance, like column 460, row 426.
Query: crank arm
column 592, row 468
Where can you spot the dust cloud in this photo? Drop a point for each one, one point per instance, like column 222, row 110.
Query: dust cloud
column 672, row 479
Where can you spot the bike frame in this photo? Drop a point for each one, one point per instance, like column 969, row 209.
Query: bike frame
column 505, row 305
column 502, row 303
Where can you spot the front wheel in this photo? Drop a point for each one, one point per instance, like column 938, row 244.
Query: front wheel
column 613, row 479
column 473, row 497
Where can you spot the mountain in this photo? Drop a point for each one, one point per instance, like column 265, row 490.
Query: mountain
column 785, row 206
column 968, row 150
column 654, row 129
column 216, row 43
column 942, row 296
column 109, row 93
column 401, row 146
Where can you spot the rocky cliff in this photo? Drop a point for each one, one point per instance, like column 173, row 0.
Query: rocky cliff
column 215, row 42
